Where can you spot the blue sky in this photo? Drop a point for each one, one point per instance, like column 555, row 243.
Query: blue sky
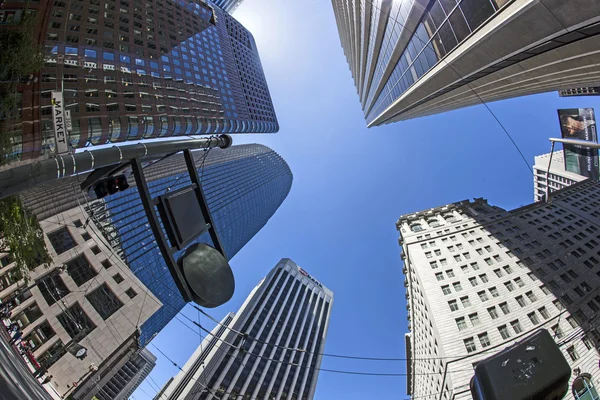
column 352, row 183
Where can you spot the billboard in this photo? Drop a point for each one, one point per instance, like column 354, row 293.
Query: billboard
column 579, row 123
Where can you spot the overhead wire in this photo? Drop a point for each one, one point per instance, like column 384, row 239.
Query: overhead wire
column 461, row 76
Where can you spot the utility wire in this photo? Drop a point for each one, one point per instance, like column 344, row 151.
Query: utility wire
column 460, row 75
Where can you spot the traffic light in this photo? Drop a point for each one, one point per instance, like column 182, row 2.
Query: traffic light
column 110, row 185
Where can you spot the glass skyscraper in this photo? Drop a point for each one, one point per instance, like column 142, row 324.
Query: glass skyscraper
column 244, row 186
column 411, row 58
column 137, row 70
column 228, row 5
column 286, row 318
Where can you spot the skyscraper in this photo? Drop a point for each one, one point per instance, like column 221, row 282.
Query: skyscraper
column 558, row 177
column 244, row 186
column 127, row 378
column 131, row 70
column 228, row 5
column 413, row 58
column 478, row 278
column 580, row 91
column 286, row 318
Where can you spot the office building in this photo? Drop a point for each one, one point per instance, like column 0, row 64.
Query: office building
column 228, row 6
column 286, row 318
column 558, row 176
column 87, row 297
column 582, row 91
column 243, row 185
column 412, row 58
column 479, row 278
column 128, row 377
column 131, row 70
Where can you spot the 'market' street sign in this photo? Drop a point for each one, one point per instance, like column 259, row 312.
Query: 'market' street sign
column 58, row 117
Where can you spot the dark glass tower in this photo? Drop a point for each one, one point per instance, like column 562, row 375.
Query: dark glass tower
column 133, row 70
column 288, row 308
column 244, row 186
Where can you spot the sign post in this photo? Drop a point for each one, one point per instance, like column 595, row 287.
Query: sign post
column 59, row 120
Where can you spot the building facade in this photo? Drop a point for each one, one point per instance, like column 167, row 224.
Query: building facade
column 479, row 278
column 558, row 177
column 88, row 297
column 412, row 58
column 285, row 318
column 581, row 91
column 127, row 378
column 228, row 6
column 130, row 71
column 243, row 185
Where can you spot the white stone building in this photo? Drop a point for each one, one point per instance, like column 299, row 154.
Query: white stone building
column 558, row 176
column 479, row 278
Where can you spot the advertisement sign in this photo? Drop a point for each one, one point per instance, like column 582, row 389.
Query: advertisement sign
column 579, row 123
column 58, row 118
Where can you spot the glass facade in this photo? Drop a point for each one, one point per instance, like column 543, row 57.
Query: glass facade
column 244, row 186
column 136, row 70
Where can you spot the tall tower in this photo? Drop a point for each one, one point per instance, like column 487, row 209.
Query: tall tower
column 133, row 71
column 286, row 318
column 244, row 186
column 411, row 58
column 479, row 278
column 228, row 6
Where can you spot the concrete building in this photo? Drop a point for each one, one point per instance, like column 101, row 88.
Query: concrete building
column 582, row 91
column 88, row 297
column 127, row 378
column 413, row 58
column 286, row 317
column 479, row 278
column 131, row 71
column 558, row 177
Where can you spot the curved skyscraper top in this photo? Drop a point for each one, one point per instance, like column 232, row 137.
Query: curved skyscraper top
column 411, row 58
column 244, row 186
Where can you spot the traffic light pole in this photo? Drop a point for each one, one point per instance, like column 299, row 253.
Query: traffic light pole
column 102, row 161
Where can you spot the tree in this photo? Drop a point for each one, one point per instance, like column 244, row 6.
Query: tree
column 20, row 58
column 22, row 237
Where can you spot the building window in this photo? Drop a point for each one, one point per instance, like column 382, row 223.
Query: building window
column 106, row 264
column 77, row 223
column 86, row 236
column 544, row 312
column 572, row 321
column 453, row 305
column 533, row 317
column 457, row 286
column 446, row 289
column 572, row 353
column 509, row 285
column 27, row 316
column 52, row 355
column 483, row 296
column 532, row 297
column 474, row 319
column 76, row 322
column 504, row 332
column 516, row 325
column 80, row 270
column 484, row 339
column 450, row 273
column 131, row 293
column 493, row 312
column 461, row 323
column 470, row 345
column 439, row 276
column 61, row 240
column 104, row 301
column 473, row 281
column 519, row 282
column 118, row 278
column 443, row 262
column 52, row 288
column 95, row 250
column 557, row 331
column 465, row 301
column 494, row 291
column 504, row 308
column 521, row 301
column 433, row 264
column 484, row 278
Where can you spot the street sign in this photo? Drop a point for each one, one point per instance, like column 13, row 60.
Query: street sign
column 58, row 118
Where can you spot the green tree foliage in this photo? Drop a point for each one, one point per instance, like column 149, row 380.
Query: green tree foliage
column 20, row 57
column 22, row 237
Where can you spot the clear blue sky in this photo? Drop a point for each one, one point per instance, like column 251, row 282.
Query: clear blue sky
column 352, row 183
